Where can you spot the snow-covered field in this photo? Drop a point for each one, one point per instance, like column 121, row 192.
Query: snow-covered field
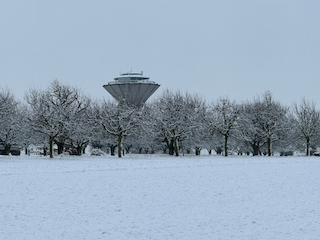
column 159, row 197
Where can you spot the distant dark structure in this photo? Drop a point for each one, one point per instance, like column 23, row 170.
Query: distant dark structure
column 14, row 149
column 132, row 88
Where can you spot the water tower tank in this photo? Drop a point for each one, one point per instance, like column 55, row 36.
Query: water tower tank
column 132, row 88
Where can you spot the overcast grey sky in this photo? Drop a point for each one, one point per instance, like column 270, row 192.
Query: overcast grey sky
column 234, row 48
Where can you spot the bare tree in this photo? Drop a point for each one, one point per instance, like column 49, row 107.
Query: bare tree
column 175, row 116
column 222, row 119
column 273, row 120
column 81, row 130
column 262, row 122
column 52, row 110
column 118, row 120
column 249, row 129
column 307, row 121
column 10, row 120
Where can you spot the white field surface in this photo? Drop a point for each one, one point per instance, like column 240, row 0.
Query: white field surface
column 159, row 197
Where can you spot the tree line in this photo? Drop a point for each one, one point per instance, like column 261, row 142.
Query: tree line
column 175, row 123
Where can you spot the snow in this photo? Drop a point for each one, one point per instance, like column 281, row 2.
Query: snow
column 159, row 197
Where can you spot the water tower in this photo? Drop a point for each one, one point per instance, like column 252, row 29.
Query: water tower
column 132, row 88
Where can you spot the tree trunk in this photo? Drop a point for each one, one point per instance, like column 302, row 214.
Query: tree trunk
column 219, row 150
column 171, row 147
column 164, row 150
column 176, row 147
column 198, row 150
column 308, row 146
column 119, row 145
column 60, row 147
column 7, row 149
column 79, row 150
column 256, row 149
column 269, row 146
column 226, row 145
column 210, row 151
column 112, row 149
column 127, row 148
column 51, row 146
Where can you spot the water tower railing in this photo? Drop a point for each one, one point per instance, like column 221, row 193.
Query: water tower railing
column 131, row 81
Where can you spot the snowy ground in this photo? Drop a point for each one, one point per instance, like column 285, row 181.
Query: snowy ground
column 159, row 197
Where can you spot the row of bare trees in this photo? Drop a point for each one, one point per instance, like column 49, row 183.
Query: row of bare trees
column 261, row 126
column 175, row 122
